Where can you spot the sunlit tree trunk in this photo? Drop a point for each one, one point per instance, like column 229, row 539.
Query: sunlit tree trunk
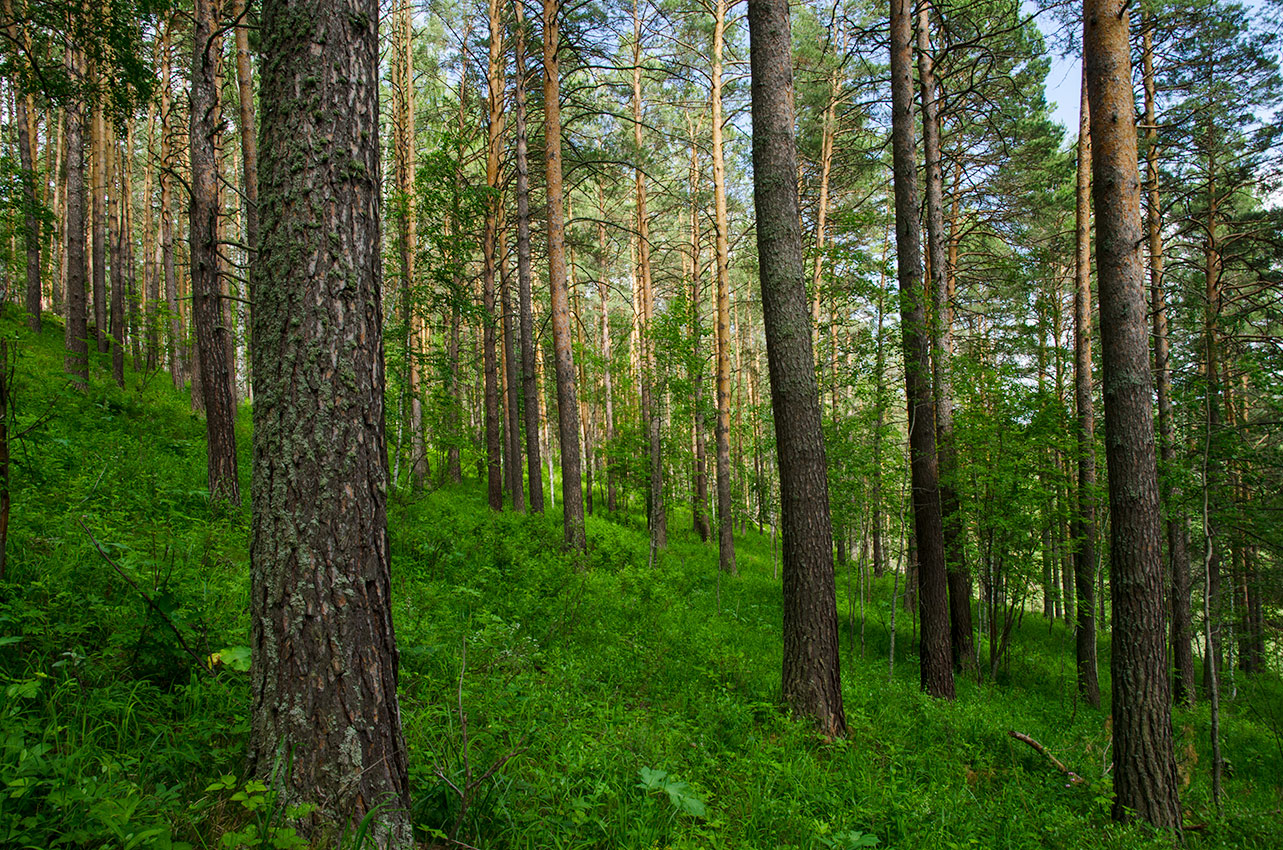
column 490, row 321
column 572, row 496
column 403, row 142
column 1145, row 782
column 725, row 513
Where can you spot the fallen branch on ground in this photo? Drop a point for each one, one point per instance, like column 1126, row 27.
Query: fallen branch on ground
column 1074, row 778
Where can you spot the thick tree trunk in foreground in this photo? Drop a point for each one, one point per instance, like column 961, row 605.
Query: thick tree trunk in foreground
column 1084, row 525
column 212, row 332
column 572, row 494
column 811, row 676
column 933, row 600
column 1145, row 781
column 725, row 514
column 529, row 376
column 325, row 659
column 25, row 123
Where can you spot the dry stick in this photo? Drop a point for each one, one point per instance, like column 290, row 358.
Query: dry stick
column 469, row 784
column 1074, row 778
column 200, row 662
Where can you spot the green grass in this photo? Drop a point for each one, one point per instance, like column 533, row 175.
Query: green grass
column 637, row 706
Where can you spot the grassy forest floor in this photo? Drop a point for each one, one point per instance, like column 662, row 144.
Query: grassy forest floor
column 636, row 705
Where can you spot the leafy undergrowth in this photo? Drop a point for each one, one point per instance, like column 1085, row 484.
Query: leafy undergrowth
column 620, row 705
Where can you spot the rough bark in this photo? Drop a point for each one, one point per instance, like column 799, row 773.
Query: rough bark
column 725, row 513
column 961, row 636
column 212, row 331
column 1145, row 781
column 529, row 378
column 933, row 601
column 572, row 495
column 325, row 660
column 811, row 674
column 1084, row 525
column 490, row 321
column 166, row 248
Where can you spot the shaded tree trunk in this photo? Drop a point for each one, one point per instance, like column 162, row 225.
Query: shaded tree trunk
column 961, row 635
column 1182, row 629
column 98, row 213
column 811, row 674
column 656, row 517
column 24, row 121
column 490, row 321
column 212, row 331
column 572, row 495
column 118, row 191
column 1145, row 782
column 699, row 508
column 325, row 659
column 936, row 651
column 1084, row 530
column 511, row 380
column 77, row 327
column 529, row 378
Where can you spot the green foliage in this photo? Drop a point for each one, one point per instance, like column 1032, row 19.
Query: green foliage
column 619, row 705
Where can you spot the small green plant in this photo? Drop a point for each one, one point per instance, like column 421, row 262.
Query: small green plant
column 679, row 793
column 265, row 831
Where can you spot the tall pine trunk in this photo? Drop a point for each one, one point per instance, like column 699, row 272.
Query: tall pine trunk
column 961, row 637
column 490, row 320
column 572, row 495
column 529, row 368
column 326, row 725
column 1182, row 629
column 811, row 674
column 212, row 331
column 77, row 326
column 1145, row 783
column 725, row 513
column 933, row 600
column 1084, row 530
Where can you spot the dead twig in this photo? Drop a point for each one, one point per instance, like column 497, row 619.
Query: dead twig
column 1074, row 778
column 151, row 603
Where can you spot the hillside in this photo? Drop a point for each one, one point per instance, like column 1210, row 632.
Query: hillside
column 573, row 703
